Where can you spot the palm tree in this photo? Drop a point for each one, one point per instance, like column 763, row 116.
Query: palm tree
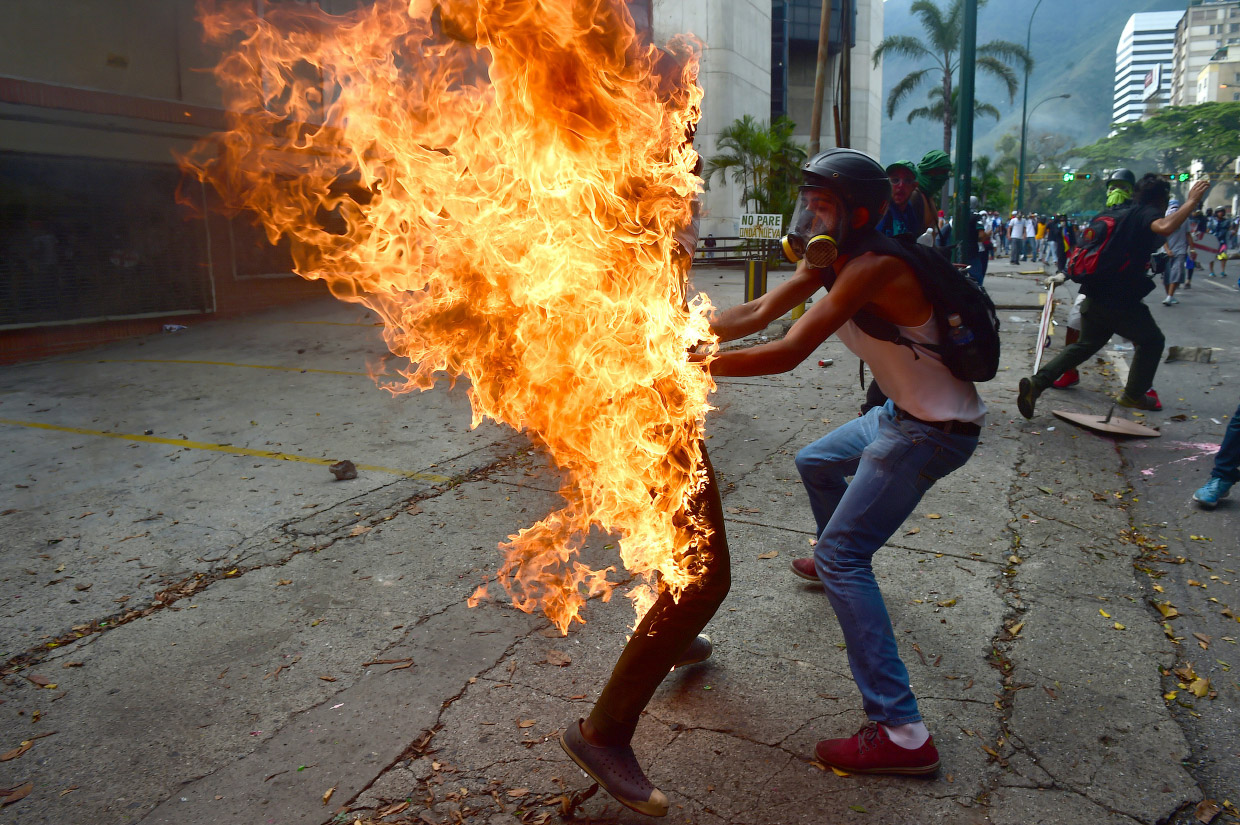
column 942, row 46
column 762, row 160
column 934, row 109
column 986, row 183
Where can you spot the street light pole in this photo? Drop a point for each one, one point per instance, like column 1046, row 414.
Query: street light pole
column 1024, row 117
column 1020, row 192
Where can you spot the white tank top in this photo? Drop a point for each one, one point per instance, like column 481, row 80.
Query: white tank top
column 915, row 378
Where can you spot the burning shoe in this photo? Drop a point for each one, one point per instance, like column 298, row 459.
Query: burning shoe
column 1070, row 378
column 1209, row 494
column 616, row 771
column 699, row 650
column 870, row 750
column 805, row 569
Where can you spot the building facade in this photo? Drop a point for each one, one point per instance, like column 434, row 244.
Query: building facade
column 1219, row 80
column 759, row 58
column 1205, row 28
column 1146, row 52
column 102, row 236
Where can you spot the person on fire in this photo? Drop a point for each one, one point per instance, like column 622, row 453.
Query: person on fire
column 894, row 453
column 668, row 636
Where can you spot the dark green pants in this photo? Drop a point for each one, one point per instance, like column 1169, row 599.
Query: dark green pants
column 1100, row 319
column 666, row 630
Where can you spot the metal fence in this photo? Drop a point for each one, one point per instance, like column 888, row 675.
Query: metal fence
column 736, row 251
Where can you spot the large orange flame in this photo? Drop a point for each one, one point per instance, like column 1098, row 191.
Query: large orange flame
column 500, row 181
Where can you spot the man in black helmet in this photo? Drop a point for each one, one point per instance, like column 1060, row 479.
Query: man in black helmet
column 1112, row 304
column 893, row 453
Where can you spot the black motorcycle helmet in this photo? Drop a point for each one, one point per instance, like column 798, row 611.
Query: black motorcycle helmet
column 1124, row 175
column 854, row 177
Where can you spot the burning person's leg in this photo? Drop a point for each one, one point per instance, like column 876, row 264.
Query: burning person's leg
column 600, row 743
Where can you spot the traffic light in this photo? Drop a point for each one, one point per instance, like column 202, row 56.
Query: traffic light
column 1183, row 176
column 1086, row 176
column 1069, row 176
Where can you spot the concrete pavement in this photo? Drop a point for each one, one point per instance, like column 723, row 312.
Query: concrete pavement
column 218, row 631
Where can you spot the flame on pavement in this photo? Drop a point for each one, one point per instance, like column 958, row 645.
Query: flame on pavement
column 500, row 181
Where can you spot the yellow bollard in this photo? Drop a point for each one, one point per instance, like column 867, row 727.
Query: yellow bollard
column 755, row 280
column 797, row 311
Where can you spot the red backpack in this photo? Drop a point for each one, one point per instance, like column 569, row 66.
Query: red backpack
column 1102, row 249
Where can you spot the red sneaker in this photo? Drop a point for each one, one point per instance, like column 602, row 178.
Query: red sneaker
column 1069, row 379
column 1153, row 396
column 805, row 569
column 871, row 751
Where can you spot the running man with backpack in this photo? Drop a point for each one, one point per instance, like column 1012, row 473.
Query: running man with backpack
column 883, row 302
column 1110, row 266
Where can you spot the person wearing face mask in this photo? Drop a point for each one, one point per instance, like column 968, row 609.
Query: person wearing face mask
column 903, row 215
column 1112, row 304
column 893, row 454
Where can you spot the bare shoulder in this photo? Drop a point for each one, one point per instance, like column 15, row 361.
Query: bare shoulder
column 877, row 270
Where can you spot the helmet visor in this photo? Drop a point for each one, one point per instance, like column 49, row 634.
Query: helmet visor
column 818, row 212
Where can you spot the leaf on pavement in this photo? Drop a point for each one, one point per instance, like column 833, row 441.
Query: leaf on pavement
column 1167, row 609
column 328, row 794
column 1203, row 640
column 1206, row 810
column 11, row 795
column 913, row 531
column 517, row 793
column 526, row 723
column 933, row 515
column 1200, row 687
column 1104, row 614
column 16, row 752
column 769, row 555
column 558, row 658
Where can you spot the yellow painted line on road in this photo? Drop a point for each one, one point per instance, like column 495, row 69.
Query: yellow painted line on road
column 212, row 364
column 221, row 448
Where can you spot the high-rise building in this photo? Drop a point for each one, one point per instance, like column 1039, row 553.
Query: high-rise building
column 1207, row 27
column 1143, row 64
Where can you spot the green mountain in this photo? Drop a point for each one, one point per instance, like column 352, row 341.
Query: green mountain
column 1073, row 45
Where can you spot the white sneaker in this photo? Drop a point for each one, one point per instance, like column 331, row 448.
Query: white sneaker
column 1167, row 301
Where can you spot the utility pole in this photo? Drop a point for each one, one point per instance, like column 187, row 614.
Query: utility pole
column 964, row 237
column 820, row 79
column 1024, row 117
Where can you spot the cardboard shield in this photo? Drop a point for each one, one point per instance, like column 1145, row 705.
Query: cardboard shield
column 1108, row 424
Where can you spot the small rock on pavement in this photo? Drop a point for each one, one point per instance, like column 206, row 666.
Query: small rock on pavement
column 343, row 470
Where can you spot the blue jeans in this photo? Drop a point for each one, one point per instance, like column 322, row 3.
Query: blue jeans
column 893, row 463
column 1227, row 461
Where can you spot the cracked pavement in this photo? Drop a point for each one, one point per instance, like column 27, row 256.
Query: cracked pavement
column 216, row 636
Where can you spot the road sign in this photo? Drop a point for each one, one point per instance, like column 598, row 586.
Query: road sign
column 760, row 227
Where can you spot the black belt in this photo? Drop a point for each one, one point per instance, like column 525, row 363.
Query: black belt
column 950, row 427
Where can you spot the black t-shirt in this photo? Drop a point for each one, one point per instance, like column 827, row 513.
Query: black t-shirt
column 1138, row 241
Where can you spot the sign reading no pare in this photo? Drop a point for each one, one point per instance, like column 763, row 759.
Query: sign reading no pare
column 761, row 227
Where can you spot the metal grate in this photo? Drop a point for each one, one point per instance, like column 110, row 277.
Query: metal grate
column 83, row 239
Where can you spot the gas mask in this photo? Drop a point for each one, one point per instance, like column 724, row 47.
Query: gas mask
column 817, row 229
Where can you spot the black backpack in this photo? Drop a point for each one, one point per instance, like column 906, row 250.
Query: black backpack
column 969, row 347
